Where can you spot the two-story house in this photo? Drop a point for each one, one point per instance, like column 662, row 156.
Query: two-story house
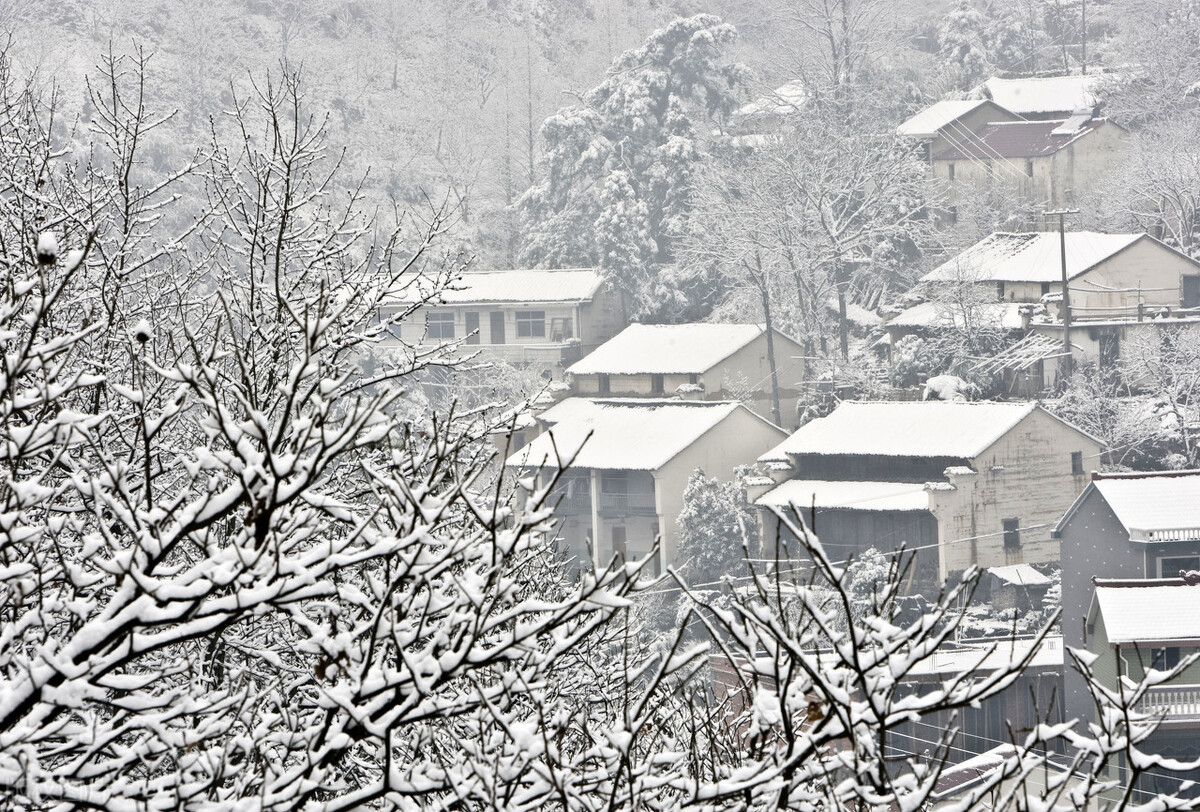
column 1132, row 626
column 697, row 362
column 1118, row 283
column 1045, row 163
column 1123, row 526
column 543, row 318
column 625, row 465
column 962, row 484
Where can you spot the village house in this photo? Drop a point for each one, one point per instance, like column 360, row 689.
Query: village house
column 1124, row 526
column 1045, row 163
column 696, row 362
column 545, row 319
column 625, row 465
column 1119, row 283
column 962, row 484
column 1134, row 625
column 952, row 122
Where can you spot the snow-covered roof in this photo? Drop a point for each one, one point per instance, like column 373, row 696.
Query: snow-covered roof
column 1020, row 575
column 1005, row 315
column 1031, row 257
column 990, row 655
column 525, row 286
column 856, row 495
column 909, row 428
column 785, row 100
column 1159, row 610
column 667, row 349
column 926, row 123
column 1154, row 507
column 1051, row 94
column 629, row 435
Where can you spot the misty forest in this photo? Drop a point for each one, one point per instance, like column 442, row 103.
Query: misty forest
column 600, row 405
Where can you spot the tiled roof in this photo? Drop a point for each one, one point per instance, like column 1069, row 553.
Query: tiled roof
column 1154, row 507
column 933, row 118
column 622, row 435
column 1031, row 257
column 1039, row 96
column 1015, row 139
column 526, row 286
column 914, row 429
column 1158, row 610
column 667, row 349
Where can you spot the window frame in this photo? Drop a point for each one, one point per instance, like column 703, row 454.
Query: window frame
column 1012, row 533
column 531, row 324
column 1077, row 463
column 440, row 325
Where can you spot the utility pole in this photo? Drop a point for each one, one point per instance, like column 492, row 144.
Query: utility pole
column 1083, row 38
column 1061, row 214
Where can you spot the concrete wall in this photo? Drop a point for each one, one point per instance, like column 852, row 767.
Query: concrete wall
column 1026, row 475
column 1054, row 180
column 602, row 318
column 1093, row 543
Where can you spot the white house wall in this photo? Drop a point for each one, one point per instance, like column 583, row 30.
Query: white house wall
column 1025, row 475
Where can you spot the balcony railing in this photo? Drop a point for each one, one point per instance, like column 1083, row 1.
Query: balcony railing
column 627, row 503
column 1175, row 703
column 570, row 504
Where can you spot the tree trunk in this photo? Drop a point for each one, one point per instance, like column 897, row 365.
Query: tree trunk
column 761, row 279
column 843, row 323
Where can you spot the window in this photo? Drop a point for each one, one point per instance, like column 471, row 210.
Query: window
column 531, row 324
column 614, row 482
column 1045, row 288
column 1171, row 567
column 1110, row 349
column 1029, row 167
column 950, row 171
column 439, row 325
column 618, row 541
column 1077, row 463
column 603, row 384
column 1012, row 534
column 472, row 327
column 1165, row 658
column 1000, row 290
column 693, row 378
column 656, row 384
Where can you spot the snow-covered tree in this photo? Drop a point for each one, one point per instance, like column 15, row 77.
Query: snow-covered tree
column 712, row 526
column 615, row 189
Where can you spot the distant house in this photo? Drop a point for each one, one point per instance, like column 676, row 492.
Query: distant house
column 1043, row 98
column 697, row 362
column 1118, row 282
column 1043, row 162
column 1134, row 625
column 543, row 318
column 769, row 112
column 964, row 484
column 630, row 461
column 1124, row 526
column 950, row 123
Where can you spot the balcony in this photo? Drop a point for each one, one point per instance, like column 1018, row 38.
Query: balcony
column 628, row 504
column 1176, row 704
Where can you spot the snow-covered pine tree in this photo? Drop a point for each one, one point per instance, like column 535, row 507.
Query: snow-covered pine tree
column 615, row 186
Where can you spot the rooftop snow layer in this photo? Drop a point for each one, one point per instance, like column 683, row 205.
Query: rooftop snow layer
column 1016, row 139
column 667, row 349
column 525, row 286
column 1005, row 315
column 909, row 428
column 785, row 100
column 1030, row 257
column 926, row 123
column 1159, row 610
column 623, row 435
column 1051, row 94
column 855, row 495
column 1155, row 508
column 1020, row 575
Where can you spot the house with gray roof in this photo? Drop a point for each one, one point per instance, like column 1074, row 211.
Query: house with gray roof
column 962, row 484
column 952, row 122
column 620, row 467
